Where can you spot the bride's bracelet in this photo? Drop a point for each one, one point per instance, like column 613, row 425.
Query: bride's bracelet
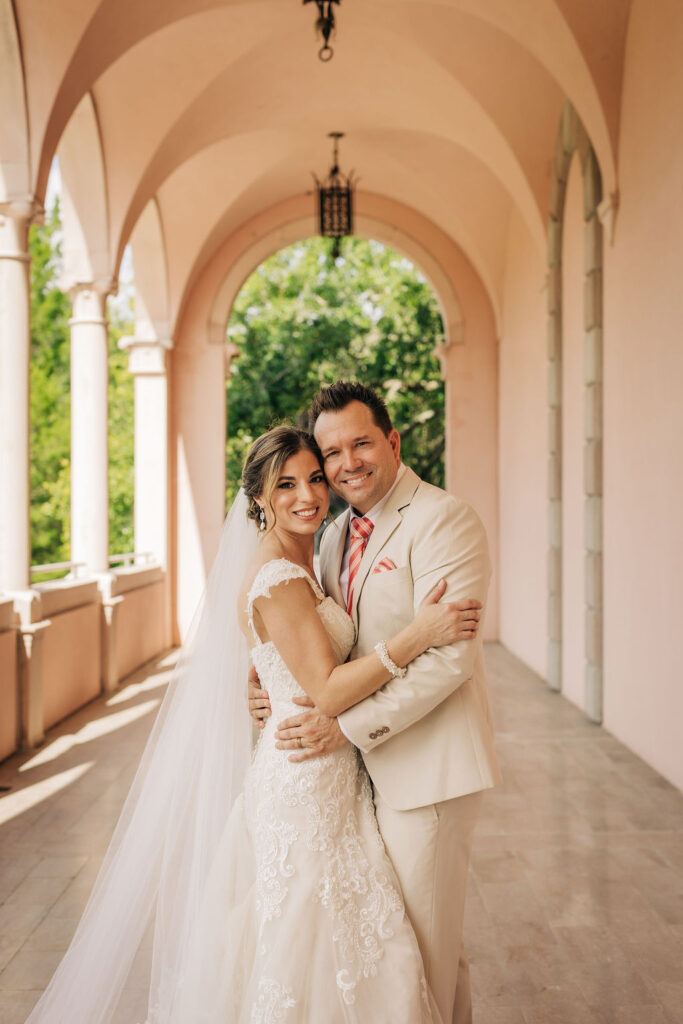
column 389, row 665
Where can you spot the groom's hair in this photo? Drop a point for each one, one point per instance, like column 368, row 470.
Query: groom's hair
column 340, row 394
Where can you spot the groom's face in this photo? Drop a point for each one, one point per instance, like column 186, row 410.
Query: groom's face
column 361, row 462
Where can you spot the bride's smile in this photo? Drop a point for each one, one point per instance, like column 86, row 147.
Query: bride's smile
column 300, row 498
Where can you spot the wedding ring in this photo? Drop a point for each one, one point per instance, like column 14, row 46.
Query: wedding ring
column 301, row 742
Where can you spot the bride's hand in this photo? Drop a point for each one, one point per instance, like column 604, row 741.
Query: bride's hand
column 443, row 622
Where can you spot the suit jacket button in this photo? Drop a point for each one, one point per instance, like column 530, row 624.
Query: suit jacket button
column 373, row 735
column 386, row 728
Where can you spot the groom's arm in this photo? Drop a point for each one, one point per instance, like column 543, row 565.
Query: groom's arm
column 453, row 547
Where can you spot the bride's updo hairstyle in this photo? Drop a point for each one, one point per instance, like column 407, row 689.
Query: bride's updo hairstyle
column 264, row 462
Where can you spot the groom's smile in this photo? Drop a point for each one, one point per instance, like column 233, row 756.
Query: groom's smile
column 358, row 479
column 361, row 461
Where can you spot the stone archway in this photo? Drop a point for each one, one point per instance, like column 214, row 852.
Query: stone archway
column 469, row 367
column 572, row 138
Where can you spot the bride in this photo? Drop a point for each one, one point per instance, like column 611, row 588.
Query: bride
column 249, row 889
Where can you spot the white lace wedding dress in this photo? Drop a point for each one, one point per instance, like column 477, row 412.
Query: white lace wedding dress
column 303, row 920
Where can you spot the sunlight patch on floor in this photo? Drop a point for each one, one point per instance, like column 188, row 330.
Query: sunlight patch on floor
column 16, row 803
column 90, row 731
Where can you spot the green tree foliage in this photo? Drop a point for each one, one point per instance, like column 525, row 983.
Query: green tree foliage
column 51, row 409
column 121, row 435
column 302, row 321
column 50, row 397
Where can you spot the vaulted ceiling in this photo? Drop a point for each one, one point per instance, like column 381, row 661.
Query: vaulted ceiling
column 219, row 109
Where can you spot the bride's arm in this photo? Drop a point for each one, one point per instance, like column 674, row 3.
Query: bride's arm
column 292, row 623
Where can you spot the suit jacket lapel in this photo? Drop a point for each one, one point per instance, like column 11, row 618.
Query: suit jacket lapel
column 333, row 557
column 389, row 518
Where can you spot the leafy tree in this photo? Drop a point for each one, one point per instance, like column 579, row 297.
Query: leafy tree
column 50, row 396
column 51, row 409
column 302, row 321
column 121, row 435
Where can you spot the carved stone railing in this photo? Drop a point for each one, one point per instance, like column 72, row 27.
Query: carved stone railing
column 67, row 640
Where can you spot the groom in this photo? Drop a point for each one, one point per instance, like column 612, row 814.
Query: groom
column 427, row 738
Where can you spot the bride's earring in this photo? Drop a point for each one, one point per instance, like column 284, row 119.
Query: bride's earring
column 262, row 520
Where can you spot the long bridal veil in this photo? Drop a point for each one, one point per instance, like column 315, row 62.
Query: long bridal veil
column 148, row 895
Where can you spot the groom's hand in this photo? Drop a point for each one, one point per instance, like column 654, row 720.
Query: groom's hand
column 259, row 702
column 310, row 734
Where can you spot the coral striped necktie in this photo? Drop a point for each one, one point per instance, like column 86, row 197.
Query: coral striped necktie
column 360, row 528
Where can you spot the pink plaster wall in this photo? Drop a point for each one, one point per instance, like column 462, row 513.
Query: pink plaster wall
column 573, row 587
column 523, row 481
column 644, row 401
column 472, row 425
column 71, row 662
column 140, row 627
column 8, row 693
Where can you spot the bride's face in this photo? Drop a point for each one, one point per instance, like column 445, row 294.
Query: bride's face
column 300, row 498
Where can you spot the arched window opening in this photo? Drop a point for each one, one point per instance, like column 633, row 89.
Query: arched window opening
column 50, row 397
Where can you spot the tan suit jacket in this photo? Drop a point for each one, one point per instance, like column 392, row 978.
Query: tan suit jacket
column 429, row 736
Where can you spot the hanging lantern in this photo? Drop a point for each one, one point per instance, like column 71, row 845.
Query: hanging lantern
column 325, row 26
column 335, row 200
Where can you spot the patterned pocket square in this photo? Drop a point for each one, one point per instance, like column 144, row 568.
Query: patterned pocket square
column 384, row 566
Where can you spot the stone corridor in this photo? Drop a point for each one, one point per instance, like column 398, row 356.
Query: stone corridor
column 575, row 905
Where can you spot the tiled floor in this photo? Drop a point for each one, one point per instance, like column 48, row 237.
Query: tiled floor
column 575, row 907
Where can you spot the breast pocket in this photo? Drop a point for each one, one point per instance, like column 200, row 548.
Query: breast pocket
column 390, row 592
column 392, row 577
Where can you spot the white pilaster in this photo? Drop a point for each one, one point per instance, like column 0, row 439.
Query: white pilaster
column 89, row 427
column 15, row 354
column 147, row 363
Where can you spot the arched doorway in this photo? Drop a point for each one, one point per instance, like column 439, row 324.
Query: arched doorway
column 201, row 357
column 301, row 320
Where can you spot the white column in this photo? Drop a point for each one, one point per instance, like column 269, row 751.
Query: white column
column 15, row 497
column 147, row 363
column 15, row 354
column 89, row 427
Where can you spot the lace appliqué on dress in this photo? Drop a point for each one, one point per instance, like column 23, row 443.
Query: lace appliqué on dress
column 272, row 1003
column 271, row 574
column 324, row 806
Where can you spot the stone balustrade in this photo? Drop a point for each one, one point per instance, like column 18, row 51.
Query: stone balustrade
column 66, row 641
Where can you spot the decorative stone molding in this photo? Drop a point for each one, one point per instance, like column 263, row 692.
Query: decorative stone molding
column 15, row 218
column 607, row 213
column 455, row 339
column 110, row 614
column 88, row 300
column 146, row 357
column 230, row 352
column 31, row 683
column 598, row 212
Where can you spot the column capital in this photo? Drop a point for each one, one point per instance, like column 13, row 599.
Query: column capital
column 146, row 356
column 26, row 208
column 88, row 300
column 16, row 216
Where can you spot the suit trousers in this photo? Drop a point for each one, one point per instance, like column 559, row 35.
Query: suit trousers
column 429, row 848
